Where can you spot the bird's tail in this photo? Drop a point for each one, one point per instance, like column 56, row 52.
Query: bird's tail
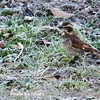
column 88, row 48
column 95, row 51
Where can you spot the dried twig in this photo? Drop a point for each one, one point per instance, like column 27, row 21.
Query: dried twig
column 21, row 46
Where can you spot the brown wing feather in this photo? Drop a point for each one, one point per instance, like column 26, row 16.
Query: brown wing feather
column 76, row 42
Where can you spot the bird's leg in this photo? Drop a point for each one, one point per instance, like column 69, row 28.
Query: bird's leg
column 73, row 59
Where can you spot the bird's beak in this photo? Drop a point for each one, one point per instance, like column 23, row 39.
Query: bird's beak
column 59, row 25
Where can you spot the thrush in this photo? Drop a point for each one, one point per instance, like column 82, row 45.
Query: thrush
column 72, row 44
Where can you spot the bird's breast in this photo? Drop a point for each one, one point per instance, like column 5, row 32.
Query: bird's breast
column 67, row 46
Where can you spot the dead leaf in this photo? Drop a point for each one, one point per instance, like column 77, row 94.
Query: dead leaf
column 3, row 64
column 1, row 44
column 6, row 35
column 2, row 30
column 58, row 13
column 13, row 46
column 42, row 41
column 28, row 18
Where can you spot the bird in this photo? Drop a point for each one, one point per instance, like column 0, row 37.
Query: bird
column 72, row 44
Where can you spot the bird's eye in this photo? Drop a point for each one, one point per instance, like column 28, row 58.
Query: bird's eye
column 69, row 29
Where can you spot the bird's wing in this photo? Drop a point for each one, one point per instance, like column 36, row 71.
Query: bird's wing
column 79, row 44
column 76, row 42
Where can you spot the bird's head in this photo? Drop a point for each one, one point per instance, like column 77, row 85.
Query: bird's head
column 66, row 27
